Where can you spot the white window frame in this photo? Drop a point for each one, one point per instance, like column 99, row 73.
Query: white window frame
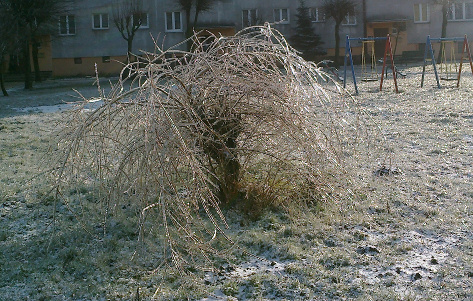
column 350, row 20
column 101, row 25
column 248, row 13
column 278, row 15
column 452, row 12
column 173, row 14
column 422, row 18
column 68, row 28
column 316, row 14
column 142, row 26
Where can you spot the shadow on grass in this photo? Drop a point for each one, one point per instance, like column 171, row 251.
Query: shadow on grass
column 49, row 93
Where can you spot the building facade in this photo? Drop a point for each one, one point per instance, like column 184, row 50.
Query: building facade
column 87, row 37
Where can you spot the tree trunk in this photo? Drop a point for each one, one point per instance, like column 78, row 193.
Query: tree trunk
column 130, row 48
column 27, row 66
column 196, row 17
column 337, row 45
column 444, row 29
column 365, row 22
column 230, row 178
column 190, row 32
column 395, row 46
column 2, row 83
column 35, row 50
column 189, row 29
column 220, row 146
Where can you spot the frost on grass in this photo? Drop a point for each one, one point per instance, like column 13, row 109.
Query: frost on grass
column 241, row 121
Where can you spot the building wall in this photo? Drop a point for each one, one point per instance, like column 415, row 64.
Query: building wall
column 225, row 17
column 44, row 54
column 86, row 66
column 89, row 42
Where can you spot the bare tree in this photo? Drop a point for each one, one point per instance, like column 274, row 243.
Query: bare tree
column 32, row 18
column 446, row 6
column 17, row 15
column 197, row 6
column 338, row 10
column 128, row 17
column 42, row 21
column 8, row 36
column 242, row 121
column 3, row 52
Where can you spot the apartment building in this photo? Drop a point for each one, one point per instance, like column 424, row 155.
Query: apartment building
column 86, row 35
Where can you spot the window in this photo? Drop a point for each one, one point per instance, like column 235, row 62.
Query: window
column 350, row 19
column 141, row 17
column 100, row 21
column 468, row 8
column 105, row 59
column 67, row 25
column 281, row 15
column 249, row 17
column 173, row 21
column 316, row 14
column 421, row 13
column 461, row 11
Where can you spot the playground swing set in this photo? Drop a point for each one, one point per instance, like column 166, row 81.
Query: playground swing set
column 369, row 73
column 449, row 69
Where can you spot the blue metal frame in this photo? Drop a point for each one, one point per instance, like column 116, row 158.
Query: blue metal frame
column 348, row 55
column 429, row 49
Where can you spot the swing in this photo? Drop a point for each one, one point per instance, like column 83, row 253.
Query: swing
column 371, row 74
column 448, row 68
column 429, row 57
column 388, row 53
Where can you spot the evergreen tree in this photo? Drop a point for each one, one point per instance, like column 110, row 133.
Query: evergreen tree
column 305, row 39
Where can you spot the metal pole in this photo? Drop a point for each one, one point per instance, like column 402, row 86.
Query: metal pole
column 425, row 61
column 351, row 62
column 393, row 67
column 428, row 48
column 434, row 64
column 386, row 48
column 347, row 43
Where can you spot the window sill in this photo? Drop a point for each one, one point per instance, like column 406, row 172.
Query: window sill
column 174, row 30
column 421, row 22
column 105, row 28
column 461, row 20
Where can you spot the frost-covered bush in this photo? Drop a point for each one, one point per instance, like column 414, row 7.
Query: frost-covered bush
column 240, row 120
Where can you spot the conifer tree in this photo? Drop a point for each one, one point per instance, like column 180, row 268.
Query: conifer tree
column 305, row 39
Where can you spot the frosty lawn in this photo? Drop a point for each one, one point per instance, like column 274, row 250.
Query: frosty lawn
column 403, row 236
